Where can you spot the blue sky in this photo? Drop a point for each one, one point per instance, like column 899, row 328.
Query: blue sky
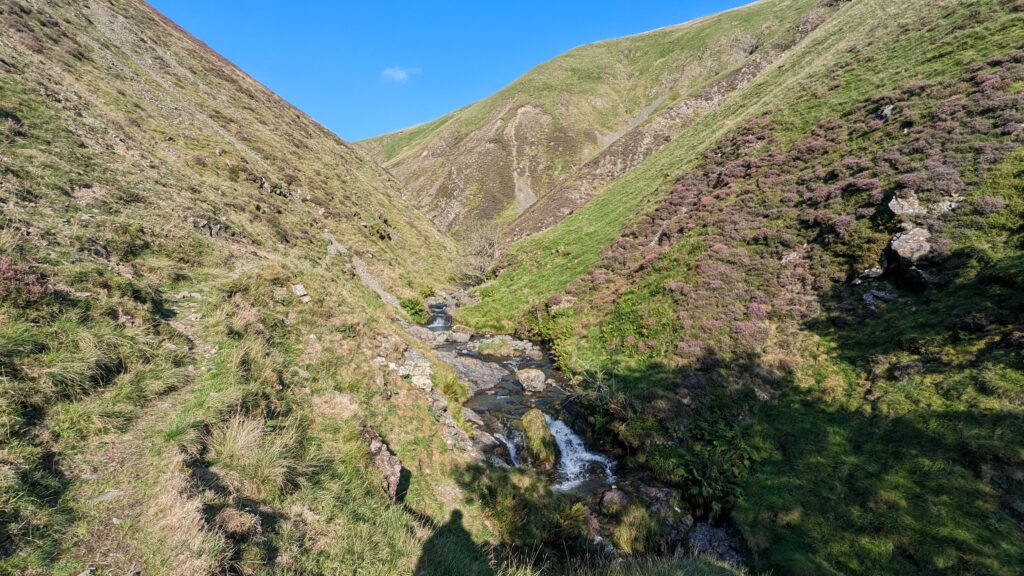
column 366, row 68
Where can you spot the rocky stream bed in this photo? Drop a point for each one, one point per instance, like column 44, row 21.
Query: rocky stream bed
column 509, row 378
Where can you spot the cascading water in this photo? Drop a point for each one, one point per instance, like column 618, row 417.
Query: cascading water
column 439, row 319
column 513, row 455
column 575, row 461
column 579, row 470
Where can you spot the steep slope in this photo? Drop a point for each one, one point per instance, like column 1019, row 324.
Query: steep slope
column 172, row 401
column 199, row 346
column 548, row 142
column 804, row 311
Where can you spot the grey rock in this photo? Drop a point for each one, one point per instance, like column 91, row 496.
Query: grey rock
column 417, row 368
column 614, row 501
column 533, row 380
column 385, row 461
column 908, row 205
column 479, row 374
column 710, row 542
column 437, row 402
column 300, row 291
column 911, row 246
column 472, row 416
column 106, row 496
column 459, row 337
column 883, row 295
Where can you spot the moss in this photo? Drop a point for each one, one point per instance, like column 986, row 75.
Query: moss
column 540, row 444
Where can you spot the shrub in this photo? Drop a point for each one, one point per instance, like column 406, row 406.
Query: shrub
column 19, row 284
column 416, row 310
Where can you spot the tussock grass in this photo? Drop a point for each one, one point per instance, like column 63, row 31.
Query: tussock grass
column 253, row 460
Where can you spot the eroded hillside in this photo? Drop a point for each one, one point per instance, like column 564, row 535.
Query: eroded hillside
column 531, row 154
column 804, row 311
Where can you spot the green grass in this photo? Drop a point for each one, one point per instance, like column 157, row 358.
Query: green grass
column 544, row 264
column 866, row 444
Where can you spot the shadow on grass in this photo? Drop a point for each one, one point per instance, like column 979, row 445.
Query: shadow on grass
column 450, row 551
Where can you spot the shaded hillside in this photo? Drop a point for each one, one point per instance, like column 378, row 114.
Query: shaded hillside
column 541, row 147
column 805, row 311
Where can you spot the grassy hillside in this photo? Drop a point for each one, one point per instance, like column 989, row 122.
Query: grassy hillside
column 192, row 337
column 169, row 404
column 719, row 309
column 491, row 161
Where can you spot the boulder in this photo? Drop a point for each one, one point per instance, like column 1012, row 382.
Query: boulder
column 910, row 246
column 706, row 541
column 479, row 374
column 300, row 291
column 533, row 380
column 540, row 444
column 614, row 501
column 385, row 461
column 907, row 205
column 459, row 337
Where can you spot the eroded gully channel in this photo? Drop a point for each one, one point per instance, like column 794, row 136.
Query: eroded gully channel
column 498, row 403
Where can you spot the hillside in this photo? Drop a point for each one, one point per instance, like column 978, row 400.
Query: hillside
column 804, row 311
column 538, row 149
column 169, row 403
column 208, row 357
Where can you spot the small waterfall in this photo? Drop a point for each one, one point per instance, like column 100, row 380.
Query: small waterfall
column 513, row 455
column 575, row 461
column 439, row 319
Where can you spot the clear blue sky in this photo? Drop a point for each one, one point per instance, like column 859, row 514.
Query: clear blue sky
column 366, row 68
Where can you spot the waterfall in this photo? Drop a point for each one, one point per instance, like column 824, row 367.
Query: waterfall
column 439, row 318
column 575, row 461
column 512, row 454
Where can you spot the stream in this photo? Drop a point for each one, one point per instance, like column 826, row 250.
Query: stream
column 580, row 470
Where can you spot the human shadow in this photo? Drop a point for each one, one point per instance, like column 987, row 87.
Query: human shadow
column 450, row 551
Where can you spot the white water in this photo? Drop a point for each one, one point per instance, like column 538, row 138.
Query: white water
column 512, row 454
column 439, row 320
column 575, row 461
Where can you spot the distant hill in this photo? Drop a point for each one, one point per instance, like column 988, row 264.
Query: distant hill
column 538, row 149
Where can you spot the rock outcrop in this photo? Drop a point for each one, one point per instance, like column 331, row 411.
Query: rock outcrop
column 385, row 461
column 480, row 375
column 533, row 380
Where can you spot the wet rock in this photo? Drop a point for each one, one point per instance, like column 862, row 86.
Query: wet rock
column 883, row 295
column 385, row 461
column 661, row 500
column 484, row 441
column 533, row 380
column 907, row 205
column 707, row 541
column 417, row 368
column 540, row 444
column 678, row 530
column 614, row 501
column 479, row 374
